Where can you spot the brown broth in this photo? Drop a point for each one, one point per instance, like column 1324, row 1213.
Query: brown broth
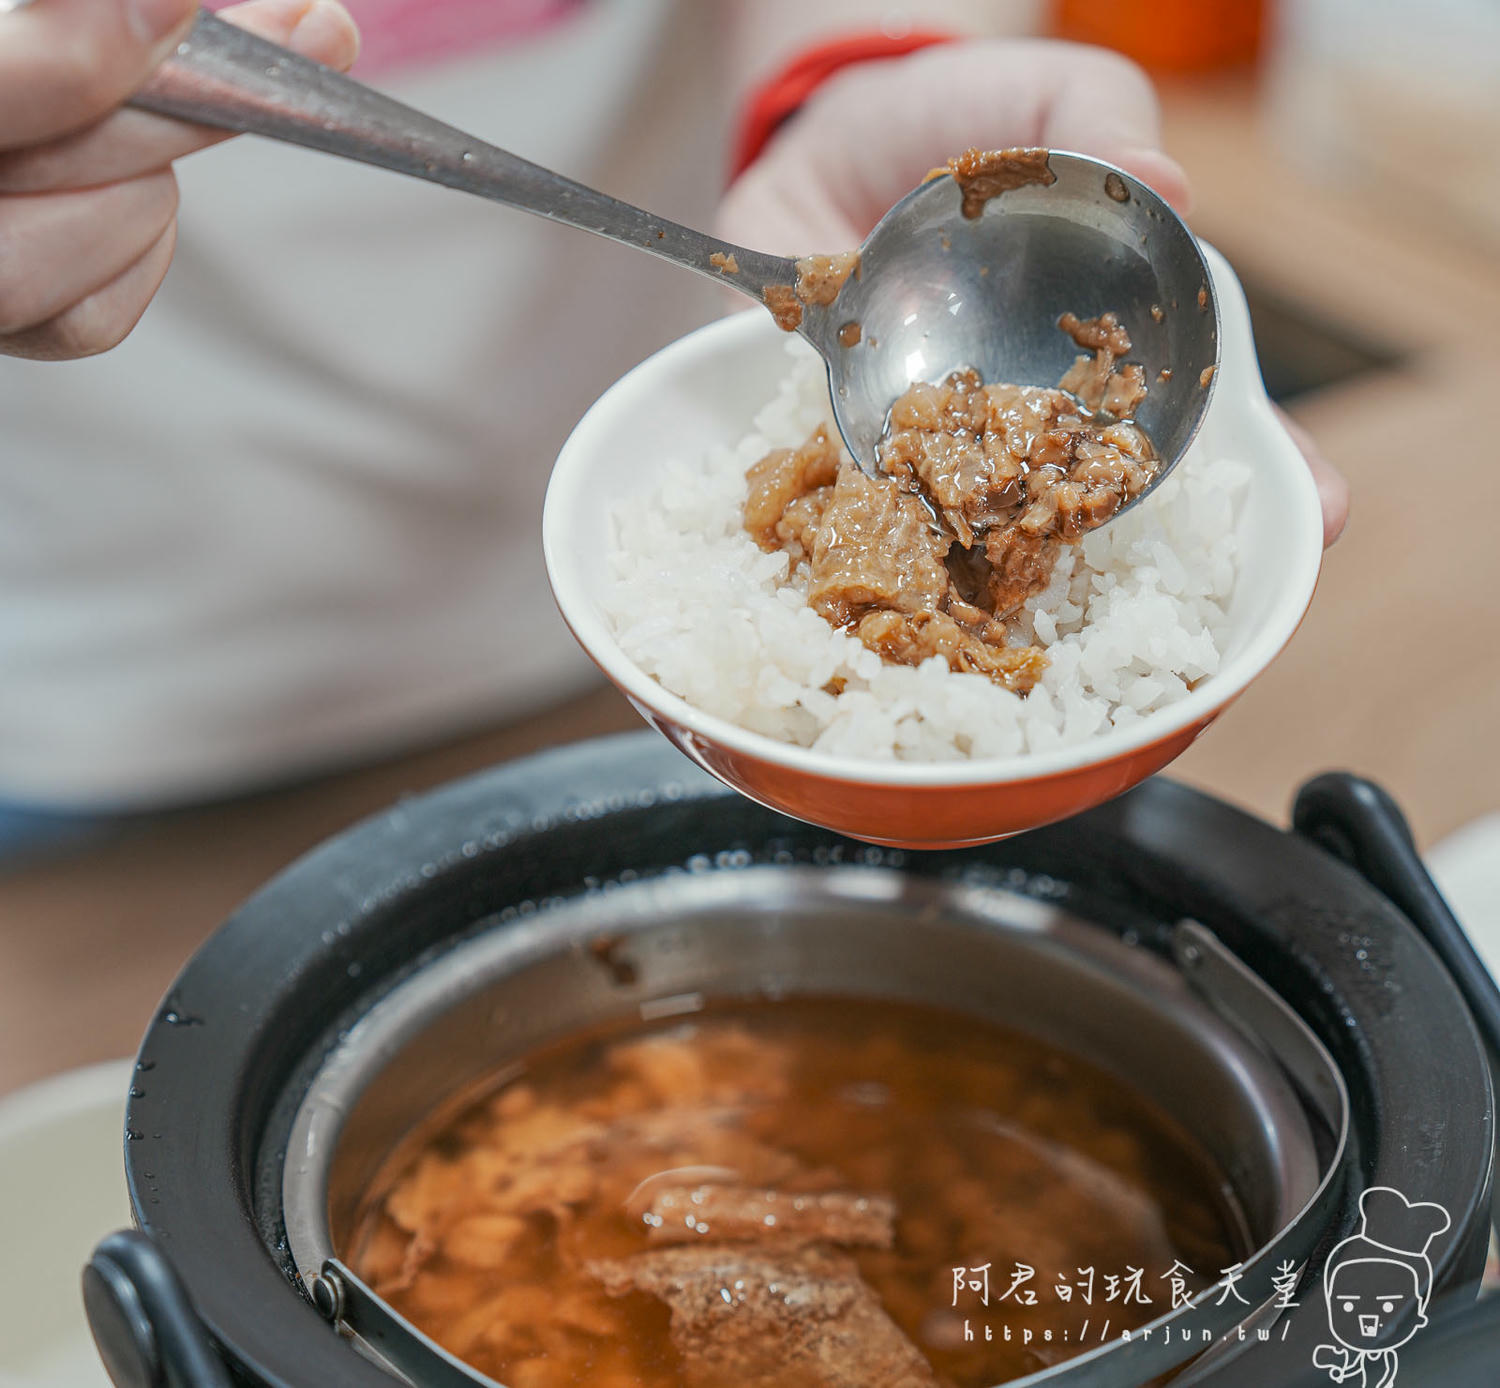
column 498, row 1235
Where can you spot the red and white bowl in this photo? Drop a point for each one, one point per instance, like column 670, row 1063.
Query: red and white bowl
column 704, row 390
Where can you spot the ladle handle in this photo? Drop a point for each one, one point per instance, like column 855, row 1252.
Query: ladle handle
column 223, row 77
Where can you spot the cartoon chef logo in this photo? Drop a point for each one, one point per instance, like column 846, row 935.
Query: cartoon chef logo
column 1375, row 1279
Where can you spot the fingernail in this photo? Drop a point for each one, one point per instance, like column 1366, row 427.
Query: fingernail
column 327, row 33
column 151, row 20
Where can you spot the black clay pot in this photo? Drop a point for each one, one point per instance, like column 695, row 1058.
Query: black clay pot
column 316, row 1015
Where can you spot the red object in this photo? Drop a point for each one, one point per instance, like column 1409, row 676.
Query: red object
column 399, row 34
column 783, row 94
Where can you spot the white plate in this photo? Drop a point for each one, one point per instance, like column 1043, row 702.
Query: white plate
column 62, row 1188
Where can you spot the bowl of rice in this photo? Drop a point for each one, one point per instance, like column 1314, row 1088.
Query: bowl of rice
column 1151, row 625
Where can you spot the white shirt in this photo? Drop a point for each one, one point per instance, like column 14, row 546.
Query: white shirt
column 294, row 520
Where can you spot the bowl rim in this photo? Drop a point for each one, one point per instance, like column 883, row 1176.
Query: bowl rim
column 1275, row 450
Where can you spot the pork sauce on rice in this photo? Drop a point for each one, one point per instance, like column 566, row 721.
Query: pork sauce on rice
column 1128, row 620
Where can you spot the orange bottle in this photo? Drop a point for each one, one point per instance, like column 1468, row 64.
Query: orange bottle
column 1167, row 35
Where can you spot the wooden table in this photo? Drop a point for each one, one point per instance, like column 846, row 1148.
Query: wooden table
column 1396, row 672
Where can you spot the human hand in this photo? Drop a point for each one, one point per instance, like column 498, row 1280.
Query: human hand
column 1333, row 489
column 88, row 201
column 870, row 133
column 1327, row 1356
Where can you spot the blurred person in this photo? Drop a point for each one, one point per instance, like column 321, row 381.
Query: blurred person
column 293, row 522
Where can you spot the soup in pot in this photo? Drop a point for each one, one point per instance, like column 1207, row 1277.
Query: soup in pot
column 809, row 1193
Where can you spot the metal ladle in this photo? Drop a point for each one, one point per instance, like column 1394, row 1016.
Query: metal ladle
column 936, row 290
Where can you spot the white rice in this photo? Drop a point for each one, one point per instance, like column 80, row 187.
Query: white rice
column 1132, row 619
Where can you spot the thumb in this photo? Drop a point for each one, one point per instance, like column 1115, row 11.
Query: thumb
column 66, row 63
column 1094, row 101
column 1160, row 171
